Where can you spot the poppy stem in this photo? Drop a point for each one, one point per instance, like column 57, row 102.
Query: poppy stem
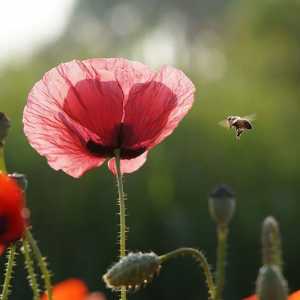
column 201, row 259
column 8, row 272
column 30, row 270
column 222, row 233
column 2, row 161
column 41, row 262
column 122, row 213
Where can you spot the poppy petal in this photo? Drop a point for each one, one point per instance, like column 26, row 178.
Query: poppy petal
column 95, row 101
column 252, row 297
column 128, row 165
column 59, row 139
column 70, row 289
column 63, row 112
column 295, row 296
column 127, row 73
column 96, row 296
column 155, row 108
column 12, row 204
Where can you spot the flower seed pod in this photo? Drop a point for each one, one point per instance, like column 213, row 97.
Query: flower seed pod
column 132, row 271
column 222, row 205
column 271, row 242
column 271, row 284
column 4, row 127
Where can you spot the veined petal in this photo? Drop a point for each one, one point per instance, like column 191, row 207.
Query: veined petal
column 128, row 165
column 61, row 141
column 95, row 101
column 58, row 138
column 127, row 73
column 184, row 90
column 154, row 109
column 73, row 104
column 74, row 165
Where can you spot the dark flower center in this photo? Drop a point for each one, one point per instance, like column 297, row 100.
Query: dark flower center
column 108, row 151
column 3, row 224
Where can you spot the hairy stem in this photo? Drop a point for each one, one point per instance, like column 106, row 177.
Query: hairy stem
column 41, row 262
column 201, row 259
column 222, row 233
column 8, row 272
column 30, row 270
column 122, row 213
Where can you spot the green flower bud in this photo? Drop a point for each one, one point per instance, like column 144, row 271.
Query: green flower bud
column 132, row 271
column 4, row 127
column 271, row 242
column 222, row 205
column 271, row 284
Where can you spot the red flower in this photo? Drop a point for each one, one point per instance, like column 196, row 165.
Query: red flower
column 81, row 111
column 252, row 297
column 12, row 221
column 293, row 296
column 73, row 289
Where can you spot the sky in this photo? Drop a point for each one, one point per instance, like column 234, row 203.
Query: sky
column 27, row 24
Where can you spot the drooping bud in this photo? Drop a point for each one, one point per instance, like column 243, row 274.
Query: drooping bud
column 222, row 204
column 133, row 271
column 4, row 127
column 20, row 179
column 271, row 242
column 271, row 284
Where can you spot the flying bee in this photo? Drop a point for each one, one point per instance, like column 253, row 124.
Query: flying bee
column 240, row 124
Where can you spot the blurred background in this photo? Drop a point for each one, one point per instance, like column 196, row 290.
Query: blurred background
column 244, row 57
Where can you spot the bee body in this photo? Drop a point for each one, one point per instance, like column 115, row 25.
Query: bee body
column 240, row 124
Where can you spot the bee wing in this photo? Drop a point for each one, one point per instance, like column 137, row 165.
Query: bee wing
column 224, row 123
column 251, row 117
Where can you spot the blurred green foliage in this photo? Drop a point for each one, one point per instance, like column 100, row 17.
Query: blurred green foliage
column 75, row 221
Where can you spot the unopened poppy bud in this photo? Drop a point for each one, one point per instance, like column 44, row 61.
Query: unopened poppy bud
column 20, row 179
column 133, row 271
column 271, row 284
column 4, row 127
column 222, row 204
column 271, row 242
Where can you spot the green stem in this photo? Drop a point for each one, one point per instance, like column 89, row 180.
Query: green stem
column 8, row 272
column 201, row 259
column 41, row 262
column 122, row 213
column 222, row 233
column 30, row 270
column 2, row 160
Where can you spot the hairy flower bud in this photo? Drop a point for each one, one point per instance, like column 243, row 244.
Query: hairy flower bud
column 271, row 284
column 132, row 271
column 271, row 242
column 4, row 127
column 222, row 204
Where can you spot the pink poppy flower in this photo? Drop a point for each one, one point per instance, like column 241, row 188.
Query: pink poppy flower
column 80, row 112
